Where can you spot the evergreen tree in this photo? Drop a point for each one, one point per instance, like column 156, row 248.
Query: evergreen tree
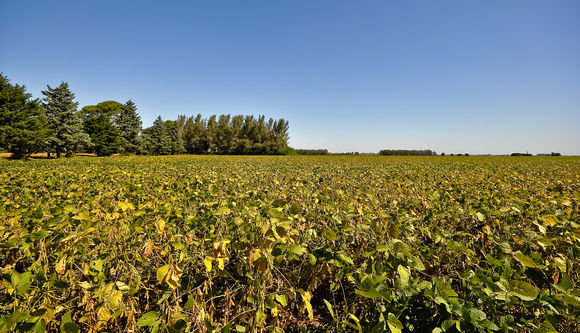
column 104, row 135
column 172, row 130
column 67, row 135
column 128, row 122
column 158, row 138
column 22, row 123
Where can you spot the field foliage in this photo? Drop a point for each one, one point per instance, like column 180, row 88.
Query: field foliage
column 242, row 244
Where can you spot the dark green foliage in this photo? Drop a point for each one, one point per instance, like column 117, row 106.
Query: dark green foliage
column 233, row 135
column 99, row 123
column 407, row 152
column 109, row 108
column 158, row 138
column 290, row 151
column 22, row 123
column 104, row 135
column 175, row 139
column 67, row 135
column 128, row 122
column 521, row 154
column 312, row 151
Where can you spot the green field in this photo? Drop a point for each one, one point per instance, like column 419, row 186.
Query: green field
column 367, row 243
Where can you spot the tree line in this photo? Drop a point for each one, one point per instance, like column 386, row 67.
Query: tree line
column 55, row 125
column 407, row 152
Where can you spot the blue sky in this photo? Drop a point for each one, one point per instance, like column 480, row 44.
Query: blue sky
column 452, row 76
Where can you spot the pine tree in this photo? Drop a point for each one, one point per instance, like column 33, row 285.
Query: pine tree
column 67, row 135
column 159, row 138
column 22, row 123
column 128, row 122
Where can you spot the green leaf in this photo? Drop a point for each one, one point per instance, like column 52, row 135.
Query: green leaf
column 21, row 282
column 67, row 325
column 477, row 315
column 40, row 326
column 279, row 203
column 572, row 300
column 486, row 323
column 394, row 324
column 222, row 211
column 404, row 274
column 97, row 265
column 565, row 283
column 122, row 286
column 162, row 272
column 525, row 260
column 523, row 290
column 329, row 307
column 148, row 319
column 282, row 299
column 447, row 324
column 295, row 209
column 296, row 249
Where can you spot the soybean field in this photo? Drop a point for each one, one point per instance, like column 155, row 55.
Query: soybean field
column 290, row 243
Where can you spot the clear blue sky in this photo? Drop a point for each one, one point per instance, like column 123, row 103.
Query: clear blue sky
column 452, row 76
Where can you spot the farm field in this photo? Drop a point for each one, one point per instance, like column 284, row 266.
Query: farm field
column 289, row 243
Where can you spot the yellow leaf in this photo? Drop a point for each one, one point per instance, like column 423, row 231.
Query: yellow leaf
column 550, row 220
column 61, row 265
column 160, row 225
column 207, row 263
column 170, row 274
column 221, row 263
column 306, row 298
column 103, row 314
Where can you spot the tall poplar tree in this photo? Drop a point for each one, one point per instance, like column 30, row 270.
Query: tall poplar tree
column 22, row 123
column 67, row 134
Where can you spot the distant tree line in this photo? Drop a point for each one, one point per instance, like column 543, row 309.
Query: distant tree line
column 529, row 154
column 56, row 126
column 407, row 152
column 312, row 151
column 239, row 135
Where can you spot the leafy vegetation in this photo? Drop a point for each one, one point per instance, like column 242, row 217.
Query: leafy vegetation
column 332, row 243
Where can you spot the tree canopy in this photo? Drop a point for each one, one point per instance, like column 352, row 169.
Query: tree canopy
column 22, row 130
